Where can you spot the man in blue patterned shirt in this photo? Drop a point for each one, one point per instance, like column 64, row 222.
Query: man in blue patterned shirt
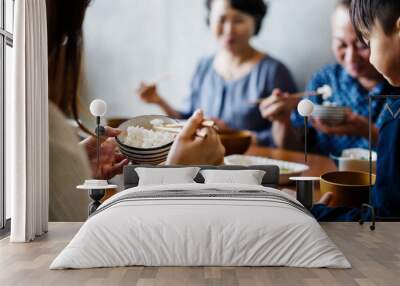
column 352, row 80
column 348, row 92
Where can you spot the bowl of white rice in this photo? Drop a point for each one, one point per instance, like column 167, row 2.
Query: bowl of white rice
column 141, row 143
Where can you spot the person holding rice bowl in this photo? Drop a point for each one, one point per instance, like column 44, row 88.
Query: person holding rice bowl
column 71, row 161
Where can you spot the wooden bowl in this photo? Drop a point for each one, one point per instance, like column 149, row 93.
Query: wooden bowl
column 350, row 189
column 114, row 122
column 235, row 141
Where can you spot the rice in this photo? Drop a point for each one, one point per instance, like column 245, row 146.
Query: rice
column 140, row 137
column 326, row 91
column 157, row 122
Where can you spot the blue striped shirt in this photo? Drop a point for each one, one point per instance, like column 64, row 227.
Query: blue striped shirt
column 347, row 92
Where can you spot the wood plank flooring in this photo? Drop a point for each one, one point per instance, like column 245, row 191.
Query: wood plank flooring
column 375, row 257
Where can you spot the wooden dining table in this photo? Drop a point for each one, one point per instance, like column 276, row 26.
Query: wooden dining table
column 318, row 164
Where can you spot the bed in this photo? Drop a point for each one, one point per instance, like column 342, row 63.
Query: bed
column 201, row 224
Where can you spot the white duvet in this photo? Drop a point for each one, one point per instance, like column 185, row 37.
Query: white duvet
column 200, row 231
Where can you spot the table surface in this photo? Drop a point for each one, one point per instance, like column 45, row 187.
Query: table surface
column 318, row 164
column 374, row 255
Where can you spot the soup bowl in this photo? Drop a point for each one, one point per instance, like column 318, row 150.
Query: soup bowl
column 349, row 188
column 235, row 141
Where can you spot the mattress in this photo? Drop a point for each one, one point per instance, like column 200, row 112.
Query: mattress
column 201, row 225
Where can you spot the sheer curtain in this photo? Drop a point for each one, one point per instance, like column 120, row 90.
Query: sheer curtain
column 27, row 118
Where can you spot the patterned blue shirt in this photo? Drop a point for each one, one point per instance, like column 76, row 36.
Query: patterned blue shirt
column 230, row 100
column 347, row 92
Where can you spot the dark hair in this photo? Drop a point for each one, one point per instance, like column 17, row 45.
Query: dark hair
column 64, row 36
column 364, row 14
column 255, row 8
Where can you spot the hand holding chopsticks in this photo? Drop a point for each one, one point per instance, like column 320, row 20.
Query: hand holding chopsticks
column 148, row 91
column 278, row 106
column 205, row 123
column 292, row 95
column 177, row 128
column 189, row 149
column 325, row 91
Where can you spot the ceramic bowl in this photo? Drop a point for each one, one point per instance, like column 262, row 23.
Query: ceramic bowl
column 356, row 159
column 152, row 156
column 331, row 115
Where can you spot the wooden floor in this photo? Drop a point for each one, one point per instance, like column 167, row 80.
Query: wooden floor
column 375, row 257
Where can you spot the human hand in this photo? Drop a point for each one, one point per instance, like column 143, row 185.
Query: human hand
column 325, row 199
column 148, row 93
column 111, row 161
column 189, row 149
column 254, row 140
column 354, row 125
column 221, row 125
column 278, row 106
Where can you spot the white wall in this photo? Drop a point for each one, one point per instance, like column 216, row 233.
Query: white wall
column 130, row 40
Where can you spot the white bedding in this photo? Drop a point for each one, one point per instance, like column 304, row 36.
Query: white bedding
column 200, row 231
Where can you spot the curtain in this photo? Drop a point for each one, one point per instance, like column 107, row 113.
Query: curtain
column 27, row 117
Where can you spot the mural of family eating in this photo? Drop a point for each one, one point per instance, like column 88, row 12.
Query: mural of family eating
column 201, row 142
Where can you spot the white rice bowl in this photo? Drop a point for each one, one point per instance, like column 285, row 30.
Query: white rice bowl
column 140, row 137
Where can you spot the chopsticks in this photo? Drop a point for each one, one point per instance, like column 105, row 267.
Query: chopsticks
column 205, row 123
column 292, row 95
column 199, row 133
column 177, row 128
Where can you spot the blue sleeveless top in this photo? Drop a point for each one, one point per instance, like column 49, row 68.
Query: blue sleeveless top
column 229, row 100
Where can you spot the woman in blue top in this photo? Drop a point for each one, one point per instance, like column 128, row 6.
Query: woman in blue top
column 225, row 84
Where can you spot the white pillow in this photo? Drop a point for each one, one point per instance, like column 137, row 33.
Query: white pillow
column 247, row 177
column 166, row 176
